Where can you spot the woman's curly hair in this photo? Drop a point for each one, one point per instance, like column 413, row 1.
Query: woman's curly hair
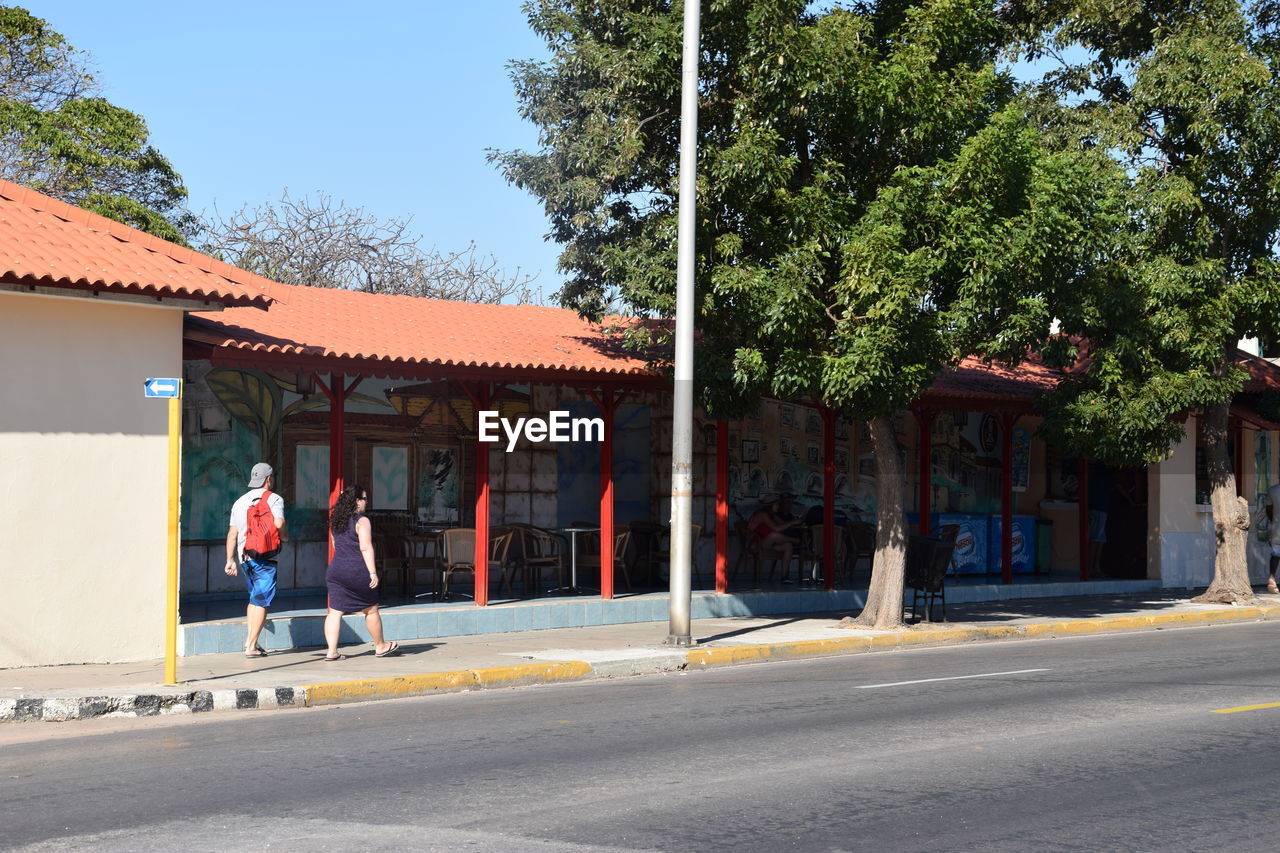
column 345, row 508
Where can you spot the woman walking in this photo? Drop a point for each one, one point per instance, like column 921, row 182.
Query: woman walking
column 352, row 577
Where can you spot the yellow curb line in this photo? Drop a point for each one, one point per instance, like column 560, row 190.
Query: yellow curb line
column 327, row 693
column 332, row 692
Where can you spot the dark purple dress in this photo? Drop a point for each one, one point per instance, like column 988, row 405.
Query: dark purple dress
column 347, row 576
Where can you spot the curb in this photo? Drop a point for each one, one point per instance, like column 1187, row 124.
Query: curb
column 148, row 704
column 456, row 681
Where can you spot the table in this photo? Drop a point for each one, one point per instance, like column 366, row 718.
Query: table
column 572, row 533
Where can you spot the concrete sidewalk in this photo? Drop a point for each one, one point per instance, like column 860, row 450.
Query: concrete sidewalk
column 302, row 678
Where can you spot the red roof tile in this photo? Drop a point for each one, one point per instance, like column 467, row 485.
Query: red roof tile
column 977, row 380
column 49, row 243
column 406, row 336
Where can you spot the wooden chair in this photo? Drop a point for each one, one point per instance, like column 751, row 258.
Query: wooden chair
column 537, row 550
column 663, row 554
column 862, row 543
column 388, row 557
column 459, row 554
column 423, row 553
column 812, row 553
column 589, row 551
column 750, row 548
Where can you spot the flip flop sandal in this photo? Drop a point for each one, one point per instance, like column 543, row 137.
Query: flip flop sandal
column 256, row 653
column 336, row 658
column 391, row 650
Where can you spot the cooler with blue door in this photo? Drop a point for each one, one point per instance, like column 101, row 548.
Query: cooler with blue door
column 972, row 542
column 1024, row 543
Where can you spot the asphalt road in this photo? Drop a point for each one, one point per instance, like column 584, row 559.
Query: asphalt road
column 1095, row 743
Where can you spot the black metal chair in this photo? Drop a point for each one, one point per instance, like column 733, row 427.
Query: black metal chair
column 928, row 558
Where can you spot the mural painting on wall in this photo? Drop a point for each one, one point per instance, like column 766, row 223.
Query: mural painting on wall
column 232, row 419
column 438, row 486
column 966, row 462
column 310, row 511
column 1021, row 442
column 390, row 475
column 784, row 457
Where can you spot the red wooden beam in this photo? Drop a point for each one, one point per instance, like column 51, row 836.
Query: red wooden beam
column 722, row 507
column 608, row 404
column 337, row 392
column 481, row 394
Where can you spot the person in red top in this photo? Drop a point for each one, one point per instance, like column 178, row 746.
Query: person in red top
column 776, row 530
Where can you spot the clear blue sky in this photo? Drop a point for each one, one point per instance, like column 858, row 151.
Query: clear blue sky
column 384, row 104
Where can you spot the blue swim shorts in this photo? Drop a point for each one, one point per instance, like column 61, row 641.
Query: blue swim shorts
column 260, row 580
column 1097, row 525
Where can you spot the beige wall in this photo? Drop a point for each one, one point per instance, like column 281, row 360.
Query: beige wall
column 83, row 493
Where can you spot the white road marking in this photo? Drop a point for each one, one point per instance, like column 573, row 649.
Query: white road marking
column 949, row 678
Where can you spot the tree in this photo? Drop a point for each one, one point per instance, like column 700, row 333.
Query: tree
column 59, row 137
column 321, row 243
column 1186, row 97
column 874, row 201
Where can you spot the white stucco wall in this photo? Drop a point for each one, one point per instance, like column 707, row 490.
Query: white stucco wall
column 83, row 493
column 1180, row 548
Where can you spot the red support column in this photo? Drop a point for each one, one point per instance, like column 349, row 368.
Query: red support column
column 1082, row 504
column 722, row 507
column 1006, row 497
column 828, row 498
column 608, row 405
column 924, row 419
column 337, row 391
column 482, row 397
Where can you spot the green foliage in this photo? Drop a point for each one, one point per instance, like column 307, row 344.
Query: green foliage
column 57, row 137
column 1184, row 96
column 874, row 199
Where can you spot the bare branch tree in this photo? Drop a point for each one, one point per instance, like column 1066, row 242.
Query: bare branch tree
column 323, row 243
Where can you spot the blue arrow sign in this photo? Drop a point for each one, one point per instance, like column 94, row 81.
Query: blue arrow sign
column 163, row 388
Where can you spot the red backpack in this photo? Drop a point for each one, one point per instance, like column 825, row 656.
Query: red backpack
column 261, row 538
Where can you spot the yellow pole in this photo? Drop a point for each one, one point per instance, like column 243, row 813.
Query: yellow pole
column 171, row 591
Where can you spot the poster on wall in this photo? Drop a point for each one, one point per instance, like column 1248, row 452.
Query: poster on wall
column 1021, row 442
column 311, row 489
column 390, row 487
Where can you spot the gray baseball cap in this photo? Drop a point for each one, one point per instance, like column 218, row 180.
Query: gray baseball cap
column 259, row 475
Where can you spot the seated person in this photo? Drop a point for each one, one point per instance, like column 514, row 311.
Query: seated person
column 816, row 514
column 776, row 529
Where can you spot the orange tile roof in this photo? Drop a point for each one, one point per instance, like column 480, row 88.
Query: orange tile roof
column 407, row 336
column 48, row 243
column 974, row 379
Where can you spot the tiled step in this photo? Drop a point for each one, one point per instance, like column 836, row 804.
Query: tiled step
column 305, row 628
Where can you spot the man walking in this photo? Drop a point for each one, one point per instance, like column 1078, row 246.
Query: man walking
column 259, row 569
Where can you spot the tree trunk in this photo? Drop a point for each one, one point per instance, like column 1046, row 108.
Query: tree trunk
column 1230, row 517
column 884, row 597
